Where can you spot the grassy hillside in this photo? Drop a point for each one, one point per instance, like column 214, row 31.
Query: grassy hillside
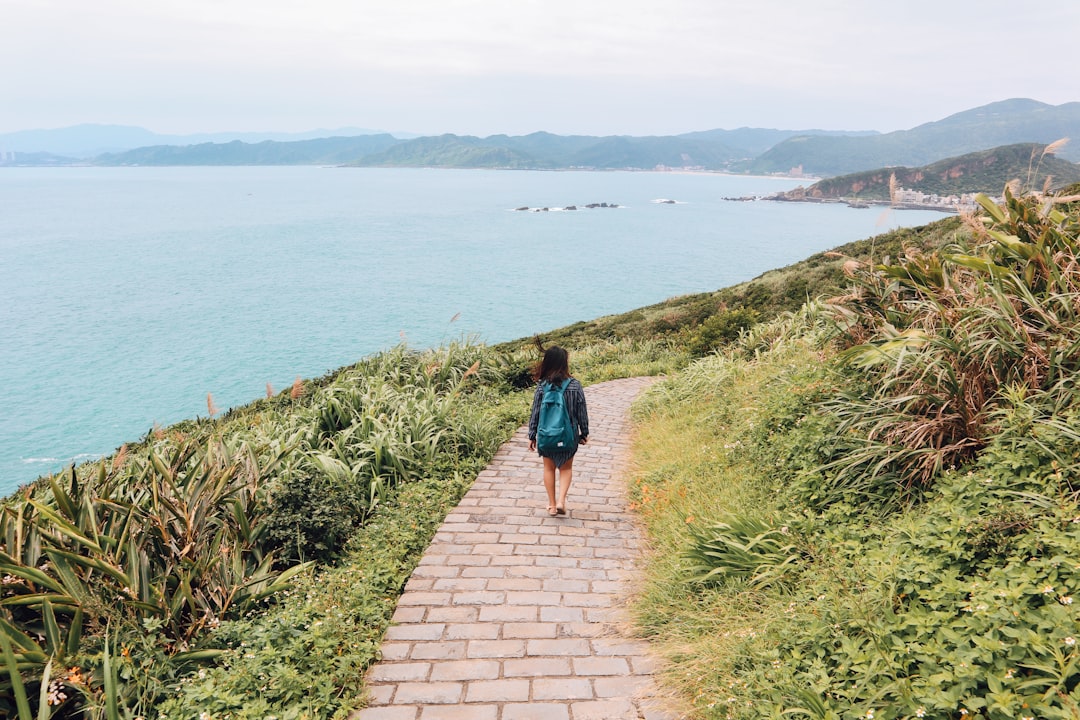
column 868, row 509
column 986, row 171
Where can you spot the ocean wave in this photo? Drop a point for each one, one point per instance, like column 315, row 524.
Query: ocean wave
column 65, row 461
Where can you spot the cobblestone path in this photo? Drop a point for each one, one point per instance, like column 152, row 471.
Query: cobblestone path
column 515, row 615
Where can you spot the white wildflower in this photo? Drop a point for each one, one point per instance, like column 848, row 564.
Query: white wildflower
column 56, row 696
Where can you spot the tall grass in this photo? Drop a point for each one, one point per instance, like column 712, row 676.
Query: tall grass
column 942, row 337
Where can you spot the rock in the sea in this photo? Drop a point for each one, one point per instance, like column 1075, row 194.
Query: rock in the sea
column 570, row 207
column 523, row 207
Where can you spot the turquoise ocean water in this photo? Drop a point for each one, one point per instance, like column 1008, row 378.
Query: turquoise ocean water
column 128, row 294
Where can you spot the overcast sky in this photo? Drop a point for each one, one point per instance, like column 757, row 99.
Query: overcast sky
column 482, row 67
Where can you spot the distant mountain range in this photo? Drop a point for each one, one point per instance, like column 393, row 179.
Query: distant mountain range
column 322, row 151
column 983, row 171
column 756, row 150
column 81, row 142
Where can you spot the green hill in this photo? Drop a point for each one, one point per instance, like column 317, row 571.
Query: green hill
column 1002, row 123
column 451, row 151
column 546, row 151
column 985, row 171
column 751, row 142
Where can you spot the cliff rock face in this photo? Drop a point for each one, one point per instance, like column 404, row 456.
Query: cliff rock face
column 986, row 171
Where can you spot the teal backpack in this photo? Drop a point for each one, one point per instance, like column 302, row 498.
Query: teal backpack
column 555, row 431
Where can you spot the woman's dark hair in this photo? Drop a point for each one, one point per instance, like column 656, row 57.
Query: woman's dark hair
column 554, row 366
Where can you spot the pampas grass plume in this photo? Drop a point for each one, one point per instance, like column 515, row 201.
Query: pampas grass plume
column 269, row 390
column 297, row 389
column 210, row 406
column 1053, row 147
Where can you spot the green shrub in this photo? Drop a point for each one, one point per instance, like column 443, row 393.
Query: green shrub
column 721, row 329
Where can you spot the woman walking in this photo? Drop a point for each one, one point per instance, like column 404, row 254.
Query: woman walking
column 553, row 373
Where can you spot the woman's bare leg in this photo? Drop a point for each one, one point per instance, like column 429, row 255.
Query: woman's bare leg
column 566, row 475
column 549, row 481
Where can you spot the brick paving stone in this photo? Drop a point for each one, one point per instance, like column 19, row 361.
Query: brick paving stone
column 390, row 712
column 603, row 709
column 516, row 583
column 529, row 630
column 460, row 712
column 479, row 597
column 428, row 599
column 458, row 584
column 395, row 650
column 563, row 647
column 612, row 687
column 562, row 614
column 515, row 597
column 562, row 689
column 438, row 650
column 471, row 631
column 537, row 711
column 498, row 691
column 510, row 614
column 484, row 572
column 515, row 615
column 396, row 672
column 425, row 631
column 409, row 615
column 536, row 667
column 431, row 693
column 465, row 670
column 495, row 649
column 593, row 666
column 619, row 646
column 458, row 614
column 381, row 694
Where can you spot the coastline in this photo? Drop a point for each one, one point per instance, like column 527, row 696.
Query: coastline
column 862, row 204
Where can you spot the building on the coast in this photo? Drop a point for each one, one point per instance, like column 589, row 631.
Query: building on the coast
column 903, row 196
